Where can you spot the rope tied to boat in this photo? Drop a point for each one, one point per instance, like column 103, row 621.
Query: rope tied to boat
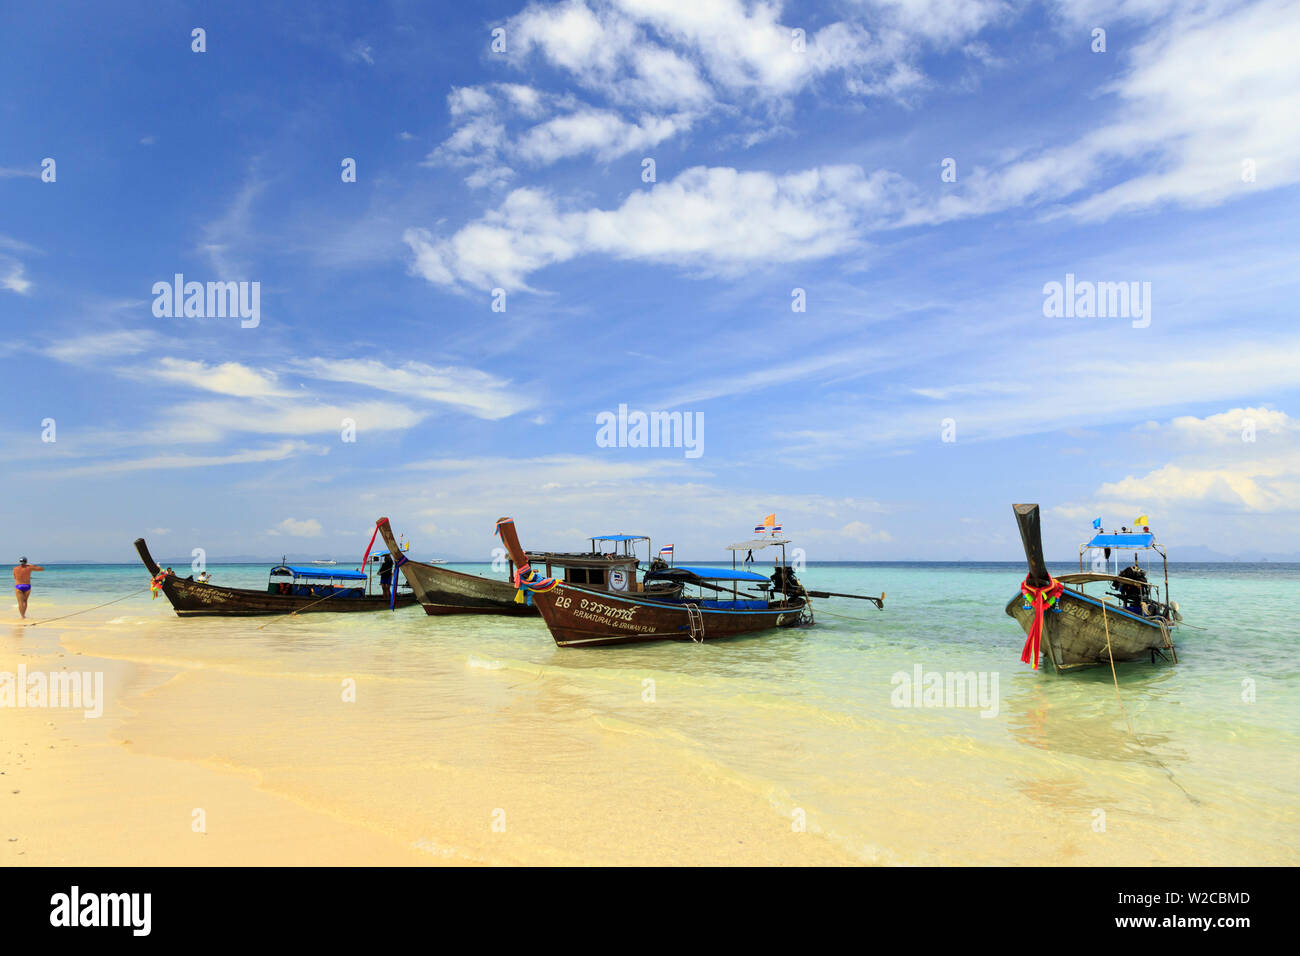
column 1040, row 599
column 85, row 610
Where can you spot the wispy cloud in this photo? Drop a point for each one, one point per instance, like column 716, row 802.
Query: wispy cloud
column 467, row 389
column 13, row 276
column 228, row 240
column 96, row 346
column 277, row 452
column 228, row 378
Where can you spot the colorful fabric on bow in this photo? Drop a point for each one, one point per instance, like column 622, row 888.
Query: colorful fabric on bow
column 1040, row 599
column 529, row 582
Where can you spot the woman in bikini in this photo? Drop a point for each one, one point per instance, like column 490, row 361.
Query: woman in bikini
column 23, row 583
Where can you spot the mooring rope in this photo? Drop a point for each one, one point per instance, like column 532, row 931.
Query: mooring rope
column 1110, row 656
column 296, row 611
column 1134, row 734
column 84, row 610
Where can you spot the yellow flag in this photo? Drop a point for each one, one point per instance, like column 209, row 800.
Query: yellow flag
column 1142, row 520
column 770, row 519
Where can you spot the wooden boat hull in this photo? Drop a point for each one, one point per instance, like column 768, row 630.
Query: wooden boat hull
column 578, row 617
column 195, row 599
column 1076, row 636
column 444, row 591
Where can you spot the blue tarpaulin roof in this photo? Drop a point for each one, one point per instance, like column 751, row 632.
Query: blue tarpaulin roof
column 619, row 537
column 1114, row 539
column 324, row 573
column 710, row 574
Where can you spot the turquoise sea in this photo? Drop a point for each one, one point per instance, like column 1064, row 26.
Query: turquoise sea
column 1191, row 762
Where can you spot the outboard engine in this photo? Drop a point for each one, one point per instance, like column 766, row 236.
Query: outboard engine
column 784, row 581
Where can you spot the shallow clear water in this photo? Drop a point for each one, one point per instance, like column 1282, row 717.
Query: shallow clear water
column 1192, row 763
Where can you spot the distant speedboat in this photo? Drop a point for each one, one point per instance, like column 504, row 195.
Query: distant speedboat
column 326, row 561
column 1074, row 629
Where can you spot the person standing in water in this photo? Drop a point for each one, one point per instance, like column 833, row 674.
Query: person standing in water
column 23, row 583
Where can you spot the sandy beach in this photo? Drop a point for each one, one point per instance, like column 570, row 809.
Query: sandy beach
column 395, row 739
column 124, row 788
column 77, row 792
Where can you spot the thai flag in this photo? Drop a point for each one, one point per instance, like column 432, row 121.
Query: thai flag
column 666, row 551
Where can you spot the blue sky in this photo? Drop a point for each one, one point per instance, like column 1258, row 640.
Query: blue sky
column 782, row 161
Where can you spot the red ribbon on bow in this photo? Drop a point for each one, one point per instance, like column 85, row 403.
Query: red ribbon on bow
column 366, row 557
column 1042, row 598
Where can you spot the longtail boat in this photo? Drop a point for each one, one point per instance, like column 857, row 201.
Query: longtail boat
column 579, row 616
column 1074, row 629
column 446, row 591
column 289, row 589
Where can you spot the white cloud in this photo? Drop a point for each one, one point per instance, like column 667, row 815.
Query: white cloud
column 306, row 528
column 713, row 220
column 944, row 22
column 603, row 133
column 985, row 409
column 467, row 389
column 15, row 279
column 228, row 239
column 1207, row 91
column 665, row 52
column 100, row 345
column 278, row 452
column 214, row 420
column 506, row 123
column 1241, row 459
column 228, row 378
column 861, row 531
column 468, row 99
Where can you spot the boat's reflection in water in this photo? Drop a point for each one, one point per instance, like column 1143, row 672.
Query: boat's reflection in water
column 1081, row 717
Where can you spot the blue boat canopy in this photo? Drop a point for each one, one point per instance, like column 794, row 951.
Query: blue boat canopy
column 323, row 574
column 707, row 574
column 619, row 537
column 1116, row 539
